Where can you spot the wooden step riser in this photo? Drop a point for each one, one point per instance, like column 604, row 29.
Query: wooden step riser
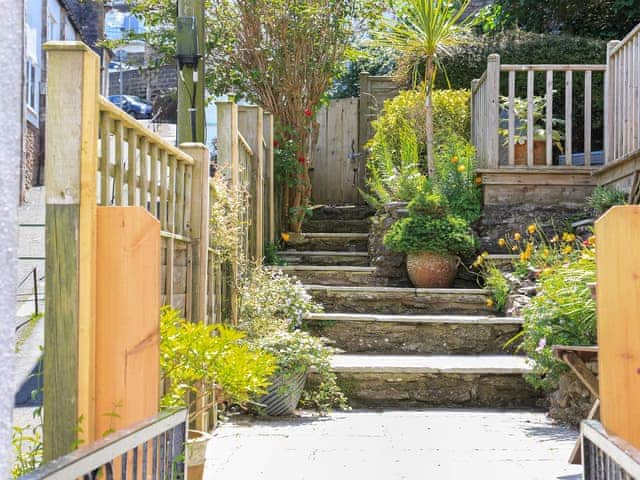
column 336, row 226
column 325, row 260
column 416, row 338
column 360, row 212
column 330, row 244
column 435, row 390
column 402, row 303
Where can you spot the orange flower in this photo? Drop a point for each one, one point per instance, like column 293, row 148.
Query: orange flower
column 478, row 180
column 454, row 159
column 489, row 302
column 285, row 236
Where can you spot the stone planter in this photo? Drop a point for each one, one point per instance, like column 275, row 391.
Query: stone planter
column 432, row 270
column 197, row 442
column 283, row 394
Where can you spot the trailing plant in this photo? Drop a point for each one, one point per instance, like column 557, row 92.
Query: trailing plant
column 271, row 302
column 603, row 198
column 196, row 356
column 272, row 309
column 226, row 220
column 431, row 228
column 494, row 281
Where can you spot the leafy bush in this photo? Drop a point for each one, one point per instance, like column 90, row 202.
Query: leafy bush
column 456, row 179
column 195, row 355
column 429, row 228
column 494, row 282
column 271, row 302
column 227, row 204
column 563, row 313
column 271, row 311
column 603, row 198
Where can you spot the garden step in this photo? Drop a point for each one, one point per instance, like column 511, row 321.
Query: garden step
column 396, row 300
column 419, row 381
column 336, row 226
column 355, row 259
column 334, row 275
column 341, row 212
column 503, row 261
column 348, row 242
column 415, row 334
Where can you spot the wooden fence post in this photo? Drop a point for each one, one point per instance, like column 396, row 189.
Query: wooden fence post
column 609, row 104
column 228, row 158
column 363, row 111
column 198, row 226
column 251, row 126
column 270, row 208
column 71, row 165
column 493, row 110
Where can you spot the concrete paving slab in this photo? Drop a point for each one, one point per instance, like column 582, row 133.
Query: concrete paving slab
column 390, row 445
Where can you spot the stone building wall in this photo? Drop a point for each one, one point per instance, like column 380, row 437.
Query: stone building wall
column 30, row 157
column 162, row 80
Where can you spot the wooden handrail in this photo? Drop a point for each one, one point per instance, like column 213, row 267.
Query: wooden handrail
column 551, row 67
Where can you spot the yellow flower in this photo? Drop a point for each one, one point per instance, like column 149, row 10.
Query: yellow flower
column 547, row 271
column 567, row 250
column 514, row 248
column 532, row 228
column 502, row 243
column 545, row 253
column 568, row 237
column 285, row 236
column 454, row 159
column 461, row 168
column 478, row 180
column 554, row 239
column 591, row 240
column 517, row 237
column 484, row 254
column 489, row 302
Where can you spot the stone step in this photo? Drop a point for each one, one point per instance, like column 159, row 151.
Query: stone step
column 416, row 334
column 341, row 212
column 396, row 300
column 336, row 226
column 503, row 261
column 346, row 242
column 353, row 259
column 443, row 381
column 334, row 275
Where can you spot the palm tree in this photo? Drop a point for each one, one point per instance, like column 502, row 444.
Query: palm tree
column 426, row 30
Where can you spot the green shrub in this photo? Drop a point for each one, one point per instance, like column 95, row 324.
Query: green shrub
column 603, row 198
column 456, row 179
column 563, row 313
column 194, row 355
column 497, row 284
column 430, row 228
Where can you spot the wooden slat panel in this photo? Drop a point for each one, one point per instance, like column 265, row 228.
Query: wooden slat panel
column 512, row 120
column 132, row 167
column 587, row 118
column 618, row 270
column 154, row 181
column 144, row 172
column 549, row 118
column 179, row 208
column 119, row 165
column 530, row 118
column 164, row 160
column 105, row 154
column 171, row 220
column 568, row 109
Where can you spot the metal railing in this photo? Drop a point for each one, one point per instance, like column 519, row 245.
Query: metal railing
column 605, row 457
column 154, row 448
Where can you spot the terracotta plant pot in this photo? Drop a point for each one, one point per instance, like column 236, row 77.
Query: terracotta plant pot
column 432, row 270
column 539, row 153
column 197, row 442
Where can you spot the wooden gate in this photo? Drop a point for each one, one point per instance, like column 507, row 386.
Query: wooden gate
column 337, row 169
column 344, row 128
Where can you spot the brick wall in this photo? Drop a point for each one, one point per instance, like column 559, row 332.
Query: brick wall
column 162, row 80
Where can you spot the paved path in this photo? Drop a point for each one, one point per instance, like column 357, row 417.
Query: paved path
column 394, row 445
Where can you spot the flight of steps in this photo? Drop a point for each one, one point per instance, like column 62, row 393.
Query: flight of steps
column 404, row 347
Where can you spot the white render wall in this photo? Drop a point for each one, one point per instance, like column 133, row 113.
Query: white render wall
column 11, row 64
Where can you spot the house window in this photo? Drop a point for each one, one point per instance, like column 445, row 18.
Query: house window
column 31, row 84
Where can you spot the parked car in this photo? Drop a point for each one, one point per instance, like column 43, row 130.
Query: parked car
column 133, row 105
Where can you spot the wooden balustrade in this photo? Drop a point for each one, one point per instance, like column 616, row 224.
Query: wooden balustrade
column 503, row 125
column 623, row 98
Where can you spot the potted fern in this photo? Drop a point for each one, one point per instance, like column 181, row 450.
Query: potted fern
column 433, row 239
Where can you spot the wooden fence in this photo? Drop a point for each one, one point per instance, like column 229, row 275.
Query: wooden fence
column 99, row 156
column 623, row 98
column 502, row 125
